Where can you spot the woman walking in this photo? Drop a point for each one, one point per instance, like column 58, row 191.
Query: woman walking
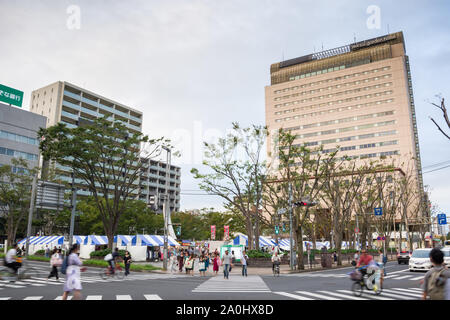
column 181, row 260
column 190, row 264
column 216, row 263
column 202, row 265
column 127, row 261
column 73, row 279
column 55, row 262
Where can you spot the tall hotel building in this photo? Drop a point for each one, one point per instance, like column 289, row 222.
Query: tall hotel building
column 67, row 103
column 357, row 96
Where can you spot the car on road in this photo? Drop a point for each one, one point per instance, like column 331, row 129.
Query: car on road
column 403, row 257
column 420, row 260
column 446, row 252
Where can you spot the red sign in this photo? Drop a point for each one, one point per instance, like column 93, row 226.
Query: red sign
column 356, row 230
column 213, row 232
column 226, row 232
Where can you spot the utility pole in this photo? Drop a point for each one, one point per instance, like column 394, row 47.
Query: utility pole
column 290, row 228
column 74, row 208
column 30, row 213
column 166, row 208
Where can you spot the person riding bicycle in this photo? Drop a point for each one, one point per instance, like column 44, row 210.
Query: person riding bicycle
column 10, row 259
column 114, row 259
column 275, row 260
column 364, row 261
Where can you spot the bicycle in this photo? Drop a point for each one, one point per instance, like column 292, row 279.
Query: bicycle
column 107, row 273
column 276, row 269
column 368, row 281
column 24, row 272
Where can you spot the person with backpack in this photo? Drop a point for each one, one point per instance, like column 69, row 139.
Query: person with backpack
column 71, row 268
column 436, row 280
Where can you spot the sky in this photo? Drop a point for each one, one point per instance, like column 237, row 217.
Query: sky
column 194, row 67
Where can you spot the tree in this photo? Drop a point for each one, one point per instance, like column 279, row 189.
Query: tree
column 237, row 181
column 445, row 115
column 300, row 170
column 107, row 157
column 15, row 194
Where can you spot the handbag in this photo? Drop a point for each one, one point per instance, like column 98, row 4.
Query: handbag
column 201, row 266
column 108, row 257
column 188, row 264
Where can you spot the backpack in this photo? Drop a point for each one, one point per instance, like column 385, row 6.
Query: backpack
column 436, row 286
column 64, row 265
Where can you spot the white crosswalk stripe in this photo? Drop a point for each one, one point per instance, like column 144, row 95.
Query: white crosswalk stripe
column 152, row 297
column 402, row 277
column 233, row 284
column 33, row 298
column 123, row 297
column 94, row 298
column 60, row 298
column 386, row 294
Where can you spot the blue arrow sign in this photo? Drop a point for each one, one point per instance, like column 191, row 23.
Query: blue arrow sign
column 442, row 219
column 378, row 211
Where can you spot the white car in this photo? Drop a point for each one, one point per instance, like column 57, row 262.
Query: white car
column 446, row 252
column 420, row 260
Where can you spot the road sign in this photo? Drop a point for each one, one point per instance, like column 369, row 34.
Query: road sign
column 442, row 219
column 378, row 211
column 11, row 96
column 356, row 230
column 378, row 238
column 383, row 238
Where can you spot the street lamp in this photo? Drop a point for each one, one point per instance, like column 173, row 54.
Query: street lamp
column 165, row 207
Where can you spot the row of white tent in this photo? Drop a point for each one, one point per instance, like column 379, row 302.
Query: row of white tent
column 135, row 244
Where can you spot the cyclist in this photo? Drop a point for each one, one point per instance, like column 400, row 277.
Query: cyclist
column 365, row 261
column 114, row 259
column 10, row 259
column 275, row 260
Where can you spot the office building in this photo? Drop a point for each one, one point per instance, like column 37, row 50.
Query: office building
column 67, row 103
column 18, row 136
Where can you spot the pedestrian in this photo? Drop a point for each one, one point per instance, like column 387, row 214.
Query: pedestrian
column 244, row 263
column 73, row 278
column 173, row 261
column 435, row 282
column 276, row 260
column 55, row 262
column 216, row 262
column 226, row 260
column 334, row 257
column 202, row 265
column 355, row 258
column 181, row 260
column 233, row 259
column 207, row 261
column 127, row 261
column 189, row 265
column 47, row 251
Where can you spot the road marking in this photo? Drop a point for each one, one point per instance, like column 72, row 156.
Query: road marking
column 94, row 298
column 320, row 296
column 345, row 296
column 233, row 284
column 406, row 291
column 60, row 298
column 417, row 278
column 416, row 289
column 5, row 298
column 152, row 297
column 403, row 277
column 294, row 296
column 33, row 298
column 372, row 296
column 395, row 295
column 123, row 297
column 13, row 286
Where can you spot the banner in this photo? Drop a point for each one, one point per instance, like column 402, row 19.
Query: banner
column 213, row 232
column 11, row 96
column 226, row 232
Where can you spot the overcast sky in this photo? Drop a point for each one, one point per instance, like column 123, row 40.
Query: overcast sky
column 193, row 67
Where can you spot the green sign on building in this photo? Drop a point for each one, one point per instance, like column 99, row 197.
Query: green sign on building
column 11, row 96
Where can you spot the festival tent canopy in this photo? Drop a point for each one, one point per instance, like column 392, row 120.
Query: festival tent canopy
column 243, row 240
column 46, row 240
column 154, row 240
column 96, row 240
column 78, row 239
column 124, row 240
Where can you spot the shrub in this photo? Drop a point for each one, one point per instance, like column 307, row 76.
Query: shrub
column 39, row 253
column 258, row 254
column 103, row 253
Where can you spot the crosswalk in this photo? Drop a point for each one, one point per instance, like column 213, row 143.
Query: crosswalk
column 91, row 297
column 42, row 281
column 414, row 277
column 387, row 294
column 233, row 284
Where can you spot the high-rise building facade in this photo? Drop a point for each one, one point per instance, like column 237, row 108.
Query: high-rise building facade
column 68, row 103
column 18, row 136
column 357, row 96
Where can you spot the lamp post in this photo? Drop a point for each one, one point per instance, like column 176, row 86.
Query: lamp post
column 166, row 208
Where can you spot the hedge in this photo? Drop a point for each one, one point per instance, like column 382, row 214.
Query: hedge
column 103, row 253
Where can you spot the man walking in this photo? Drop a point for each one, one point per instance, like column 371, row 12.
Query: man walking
column 244, row 263
column 436, row 280
column 226, row 261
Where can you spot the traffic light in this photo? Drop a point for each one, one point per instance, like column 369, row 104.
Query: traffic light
column 179, row 231
column 277, row 229
column 305, row 203
column 284, row 226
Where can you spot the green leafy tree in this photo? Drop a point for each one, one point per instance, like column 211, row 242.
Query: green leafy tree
column 15, row 195
column 107, row 157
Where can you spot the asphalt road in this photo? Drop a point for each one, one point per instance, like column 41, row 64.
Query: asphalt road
column 399, row 284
